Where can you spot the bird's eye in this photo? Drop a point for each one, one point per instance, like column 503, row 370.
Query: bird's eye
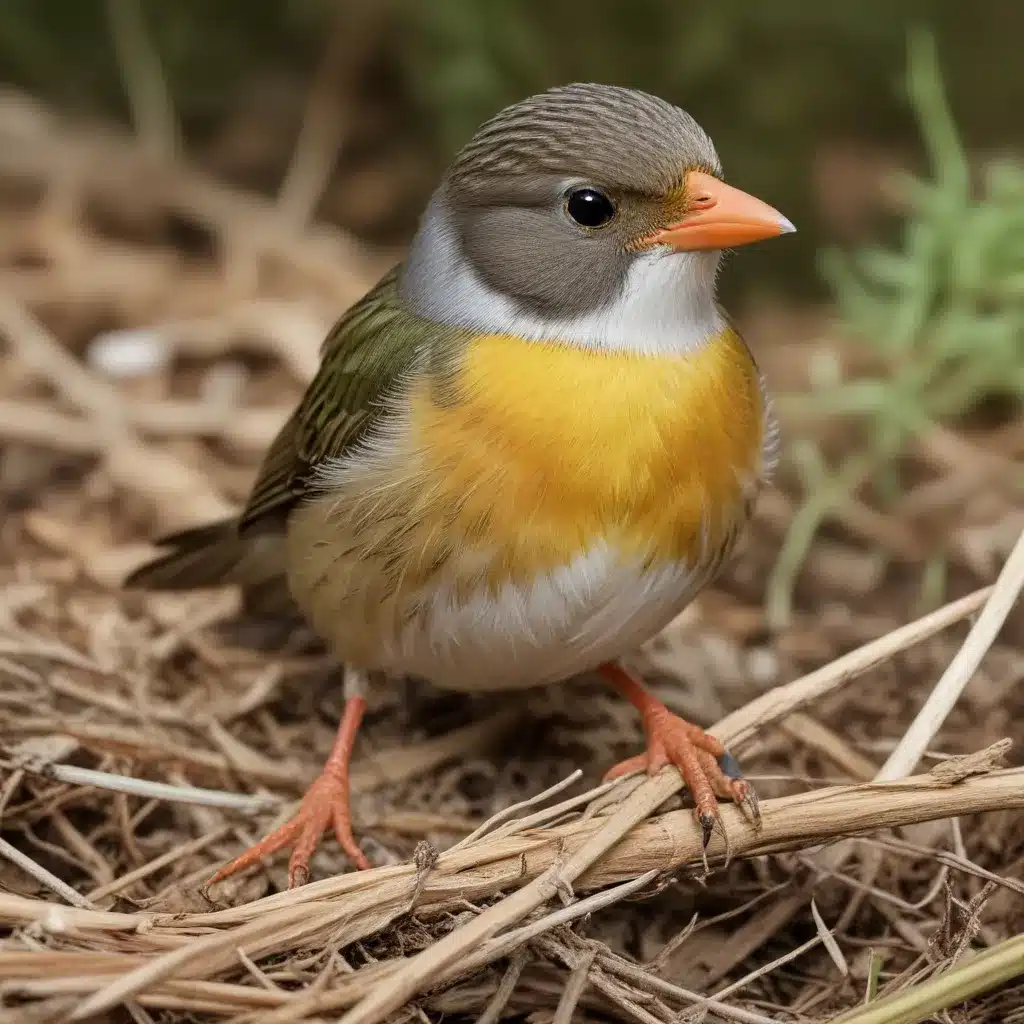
column 589, row 208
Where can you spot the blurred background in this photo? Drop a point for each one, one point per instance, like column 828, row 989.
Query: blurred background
column 806, row 101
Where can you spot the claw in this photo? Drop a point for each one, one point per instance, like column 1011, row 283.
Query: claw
column 749, row 803
column 325, row 802
column 739, row 789
column 707, row 768
column 707, row 829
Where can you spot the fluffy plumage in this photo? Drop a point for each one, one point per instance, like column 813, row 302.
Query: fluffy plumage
column 551, row 508
column 530, row 445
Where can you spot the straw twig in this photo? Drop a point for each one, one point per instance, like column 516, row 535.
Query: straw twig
column 741, row 725
column 574, row 987
column 503, row 993
column 41, row 875
column 76, row 776
column 947, row 690
column 144, row 82
column 667, row 843
column 981, row 973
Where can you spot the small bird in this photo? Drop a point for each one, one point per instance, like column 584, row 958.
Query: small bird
column 529, row 446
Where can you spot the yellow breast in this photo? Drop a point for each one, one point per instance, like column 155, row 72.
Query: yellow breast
column 425, row 550
column 541, row 449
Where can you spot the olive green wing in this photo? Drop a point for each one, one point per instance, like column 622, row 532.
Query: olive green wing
column 365, row 355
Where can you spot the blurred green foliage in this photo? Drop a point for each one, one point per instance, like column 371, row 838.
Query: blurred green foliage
column 943, row 312
column 772, row 82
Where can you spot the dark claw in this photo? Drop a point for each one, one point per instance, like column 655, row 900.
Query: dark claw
column 708, row 823
column 749, row 802
column 752, row 807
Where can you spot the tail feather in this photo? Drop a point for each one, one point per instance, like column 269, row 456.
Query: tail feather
column 212, row 556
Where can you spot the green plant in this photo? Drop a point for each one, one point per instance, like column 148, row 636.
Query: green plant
column 944, row 314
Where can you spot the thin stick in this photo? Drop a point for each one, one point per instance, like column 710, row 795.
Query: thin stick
column 828, row 938
column 760, row 972
column 982, row 972
column 39, row 350
column 44, row 877
column 946, row 693
column 248, row 429
column 555, row 811
column 76, row 776
column 503, row 993
column 158, row 863
column 614, row 990
column 520, row 936
column 138, row 1014
column 510, row 812
column 641, row 978
column 947, row 859
column 325, row 122
column 456, row 945
column 737, row 728
column 142, row 76
column 574, row 988
column 160, row 968
column 619, row 996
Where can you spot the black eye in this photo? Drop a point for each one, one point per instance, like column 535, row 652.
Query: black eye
column 589, row 208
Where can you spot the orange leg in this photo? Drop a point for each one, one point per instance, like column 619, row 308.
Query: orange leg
column 706, row 766
column 325, row 803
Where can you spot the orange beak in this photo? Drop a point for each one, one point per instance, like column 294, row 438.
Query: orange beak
column 720, row 217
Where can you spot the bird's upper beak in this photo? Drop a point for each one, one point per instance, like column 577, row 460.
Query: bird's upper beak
column 719, row 217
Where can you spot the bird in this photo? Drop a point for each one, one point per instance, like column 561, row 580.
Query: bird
column 528, row 447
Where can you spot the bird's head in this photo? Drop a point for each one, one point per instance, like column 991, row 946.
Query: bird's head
column 588, row 214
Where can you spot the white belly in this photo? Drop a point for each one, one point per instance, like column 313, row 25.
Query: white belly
column 568, row 621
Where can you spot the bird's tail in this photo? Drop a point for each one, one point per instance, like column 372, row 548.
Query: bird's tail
column 215, row 555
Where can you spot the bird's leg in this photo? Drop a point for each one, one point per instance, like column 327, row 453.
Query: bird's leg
column 326, row 803
column 706, row 766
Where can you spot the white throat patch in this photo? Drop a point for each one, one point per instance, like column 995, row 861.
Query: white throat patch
column 667, row 304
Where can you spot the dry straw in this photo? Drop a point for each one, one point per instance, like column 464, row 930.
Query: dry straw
column 173, row 961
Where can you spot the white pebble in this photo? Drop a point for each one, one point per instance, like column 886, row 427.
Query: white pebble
column 134, row 352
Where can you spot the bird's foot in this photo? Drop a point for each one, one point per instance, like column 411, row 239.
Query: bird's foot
column 707, row 768
column 326, row 803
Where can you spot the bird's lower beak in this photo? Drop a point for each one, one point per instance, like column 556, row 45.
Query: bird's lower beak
column 720, row 217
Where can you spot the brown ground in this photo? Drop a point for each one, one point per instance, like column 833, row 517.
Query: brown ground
column 185, row 690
